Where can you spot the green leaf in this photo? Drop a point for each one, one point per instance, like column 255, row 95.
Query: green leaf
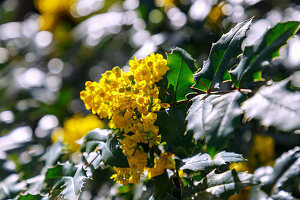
column 31, row 197
column 180, row 75
column 111, row 153
column 94, row 138
column 164, row 188
column 67, row 178
column 171, row 123
column 203, row 162
column 214, row 118
column 221, row 185
column 266, row 48
column 277, row 106
column 221, row 58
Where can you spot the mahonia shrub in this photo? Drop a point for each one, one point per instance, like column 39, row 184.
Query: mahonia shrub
column 167, row 123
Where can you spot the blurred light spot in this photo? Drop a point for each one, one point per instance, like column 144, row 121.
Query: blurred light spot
column 30, row 57
column 200, row 9
column 256, row 31
column 178, row 18
column 235, row 1
column 274, row 16
column 292, row 14
column 10, row 5
column 125, row 68
column 131, row 4
column 24, row 157
column 155, row 16
column 30, row 26
column 21, row 134
column 43, row 39
column 293, row 51
column 139, row 38
column 238, row 13
column 84, row 7
column 48, row 122
column 36, row 149
column 32, row 77
column 53, row 83
column 9, row 165
column 130, row 16
column 139, row 24
column 4, row 54
column 158, row 39
column 227, row 9
column 10, row 30
column 95, row 72
column 86, row 195
column 7, row 116
column 252, row 2
column 296, row 80
column 145, row 50
column 75, row 105
column 41, row 133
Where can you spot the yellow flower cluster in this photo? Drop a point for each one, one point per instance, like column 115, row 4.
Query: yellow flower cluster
column 129, row 100
column 51, row 11
column 74, row 129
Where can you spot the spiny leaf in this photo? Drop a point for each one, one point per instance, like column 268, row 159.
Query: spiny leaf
column 180, row 75
column 93, row 138
column 111, row 154
column 266, row 48
column 215, row 117
column 203, row 162
column 171, row 123
column 67, row 178
column 221, row 58
column 276, row 106
column 286, row 169
column 221, row 185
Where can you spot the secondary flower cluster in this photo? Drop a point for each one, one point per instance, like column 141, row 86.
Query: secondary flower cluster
column 74, row 129
column 129, row 100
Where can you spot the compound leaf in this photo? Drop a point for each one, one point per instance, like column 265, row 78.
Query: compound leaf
column 222, row 57
column 266, row 48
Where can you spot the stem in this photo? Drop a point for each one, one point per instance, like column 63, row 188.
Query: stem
column 92, row 161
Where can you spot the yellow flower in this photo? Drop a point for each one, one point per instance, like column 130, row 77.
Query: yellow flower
column 51, row 11
column 74, row 129
column 129, row 100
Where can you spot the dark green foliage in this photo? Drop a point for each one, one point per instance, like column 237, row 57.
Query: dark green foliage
column 282, row 99
column 266, row 48
column 215, row 117
column 221, row 185
column 171, row 124
column 222, row 57
column 31, row 197
column 180, row 75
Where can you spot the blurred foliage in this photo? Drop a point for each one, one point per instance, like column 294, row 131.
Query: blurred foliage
column 49, row 49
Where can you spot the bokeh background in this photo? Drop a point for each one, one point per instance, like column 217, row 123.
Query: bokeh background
column 50, row 48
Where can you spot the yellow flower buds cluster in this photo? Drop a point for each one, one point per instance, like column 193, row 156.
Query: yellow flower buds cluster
column 129, row 100
column 74, row 129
